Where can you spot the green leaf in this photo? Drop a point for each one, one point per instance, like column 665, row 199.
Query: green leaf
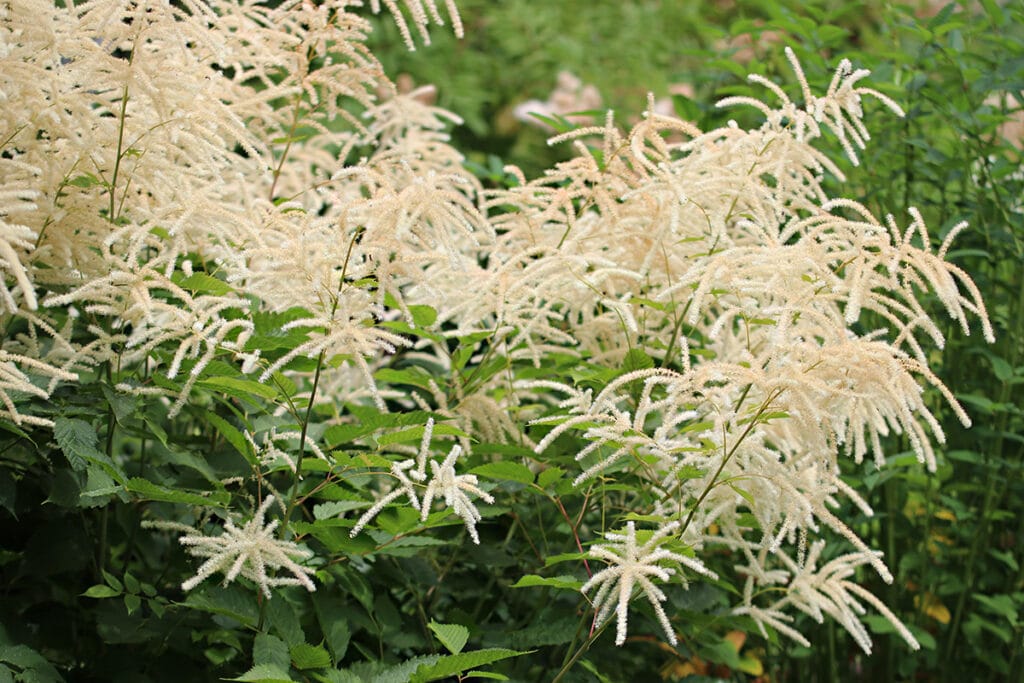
column 239, row 388
column 271, row 651
column 232, row 436
column 943, row 14
column 131, row 583
column 1003, row 605
column 592, row 668
column 158, row 606
column 452, row 636
column 994, row 12
column 150, row 491
column 373, row 421
column 557, row 122
column 353, row 583
column 401, row 673
column 264, row 673
column 156, row 429
column 333, row 508
column 549, row 629
column 230, row 601
column 721, row 652
column 1002, row 370
column 745, row 495
column 112, row 581
column 563, row 557
column 409, row 546
column 565, row 581
column 282, row 619
column 636, row 359
column 132, row 603
column 1006, row 557
column 405, row 328
column 306, row 656
column 697, row 427
column 413, row 434
column 451, row 665
column 423, row 316
column 485, row 674
column 201, row 283
column 78, row 441
column 924, row 638
column 549, row 476
column 268, row 335
column 123, row 405
column 86, row 180
column 100, row 591
column 34, row 667
column 413, row 376
column 505, row 470
column 333, row 615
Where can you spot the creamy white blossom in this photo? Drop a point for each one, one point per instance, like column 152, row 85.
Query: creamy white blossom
column 453, row 488
column 634, row 565
column 404, row 486
column 251, row 551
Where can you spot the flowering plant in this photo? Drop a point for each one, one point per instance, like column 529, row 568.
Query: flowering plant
column 270, row 276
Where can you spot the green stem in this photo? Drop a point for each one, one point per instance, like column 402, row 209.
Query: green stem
column 977, row 542
column 728, row 456
column 582, row 649
column 296, row 117
column 676, row 329
column 1016, row 670
column 833, row 659
column 890, row 509
column 294, row 498
column 120, row 145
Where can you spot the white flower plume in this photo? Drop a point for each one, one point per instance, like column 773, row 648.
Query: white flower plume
column 405, row 486
column 249, row 551
column 453, row 487
column 635, row 565
column 444, row 483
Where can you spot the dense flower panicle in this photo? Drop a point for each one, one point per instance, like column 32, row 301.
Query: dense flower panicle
column 16, row 239
column 250, row 551
column 771, row 278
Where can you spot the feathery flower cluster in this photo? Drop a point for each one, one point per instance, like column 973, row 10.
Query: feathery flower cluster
column 722, row 257
column 633, row 565
column 444, row 483
column 250, row 551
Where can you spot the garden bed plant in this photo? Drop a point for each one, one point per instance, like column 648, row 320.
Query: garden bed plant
column 288, row 392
